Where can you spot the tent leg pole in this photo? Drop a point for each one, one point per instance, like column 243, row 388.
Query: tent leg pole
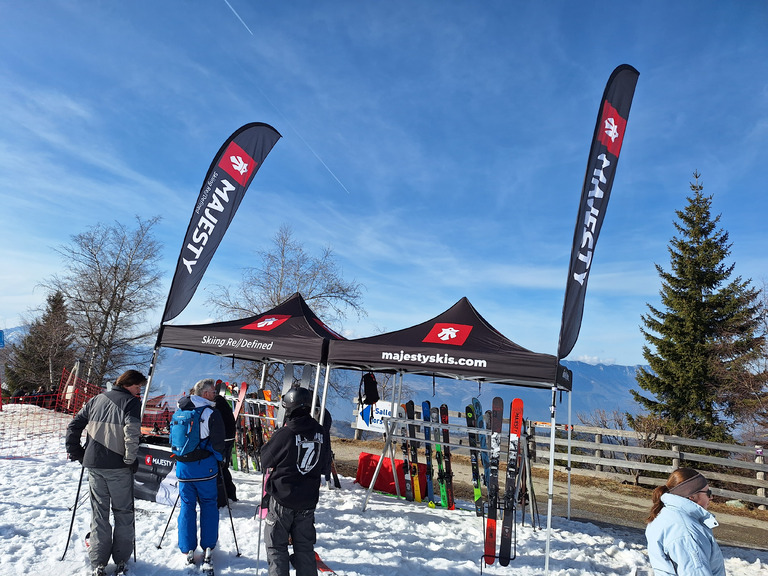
column 325, row 391
column 550, row 488
column 570, row 434
column 378, row 467
column 393, row 413
column 149, row 380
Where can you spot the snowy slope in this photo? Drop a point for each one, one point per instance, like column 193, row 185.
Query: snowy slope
column 390, row 538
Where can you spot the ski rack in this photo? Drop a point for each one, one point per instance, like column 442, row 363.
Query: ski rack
column 529, row 492
column 391, row 423
column 435, row 426
column 257, row 402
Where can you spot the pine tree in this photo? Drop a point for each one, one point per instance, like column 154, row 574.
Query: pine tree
column 111, row 284
column 38, row 360
column 704, row 342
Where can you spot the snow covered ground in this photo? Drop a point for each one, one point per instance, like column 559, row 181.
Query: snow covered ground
column 390, row 538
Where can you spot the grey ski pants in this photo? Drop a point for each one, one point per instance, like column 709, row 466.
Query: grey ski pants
column 111, row 489
column 299, row 525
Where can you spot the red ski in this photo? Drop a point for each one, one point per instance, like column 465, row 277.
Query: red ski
column 322, row 566
column 240, row 399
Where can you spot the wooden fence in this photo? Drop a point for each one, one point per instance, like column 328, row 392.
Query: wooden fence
column 735, row 472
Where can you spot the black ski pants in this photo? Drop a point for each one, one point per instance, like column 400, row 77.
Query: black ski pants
column 299, row 525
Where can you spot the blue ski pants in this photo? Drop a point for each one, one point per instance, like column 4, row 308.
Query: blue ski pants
column 191, row 493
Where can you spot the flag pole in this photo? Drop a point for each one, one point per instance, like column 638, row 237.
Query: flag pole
column 603, row 158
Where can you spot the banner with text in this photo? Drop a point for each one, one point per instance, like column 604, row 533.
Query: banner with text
column 601, row 169
column 223, row 189
column 371, row 416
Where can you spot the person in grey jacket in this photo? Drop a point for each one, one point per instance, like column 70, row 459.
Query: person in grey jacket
column 112, row 422
column 679, row 532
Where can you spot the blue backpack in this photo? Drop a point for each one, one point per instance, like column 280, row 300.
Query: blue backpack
column 185, row 431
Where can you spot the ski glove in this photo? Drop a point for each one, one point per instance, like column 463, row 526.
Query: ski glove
column 77, row 455
column 134, row 466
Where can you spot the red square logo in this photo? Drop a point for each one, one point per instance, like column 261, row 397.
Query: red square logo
column 442, row 333
column 237, row 163
column 611, row 130
column 267, row 322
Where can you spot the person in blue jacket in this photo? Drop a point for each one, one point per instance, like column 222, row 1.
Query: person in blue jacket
column 197, row 472
column 679, row 532
column 298, row 455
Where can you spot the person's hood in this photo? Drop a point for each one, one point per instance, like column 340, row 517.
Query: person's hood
column 192, row 401
column 690, row 508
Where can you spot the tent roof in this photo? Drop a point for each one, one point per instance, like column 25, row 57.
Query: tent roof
column 458, row 343
column 290, row 332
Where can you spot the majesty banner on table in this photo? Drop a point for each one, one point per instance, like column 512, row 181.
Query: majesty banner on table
column 601, row 169
column 225, row 184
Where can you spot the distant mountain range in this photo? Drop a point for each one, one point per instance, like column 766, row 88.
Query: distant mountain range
column 595, row 387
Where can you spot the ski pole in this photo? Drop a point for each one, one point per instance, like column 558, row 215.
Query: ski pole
column 74, row 509
column 133, row 507
column 78, row 503
column 258, row 511
column 169, row 520
column 232, row 523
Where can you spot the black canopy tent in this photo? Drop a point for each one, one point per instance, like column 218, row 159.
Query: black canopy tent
column 289, row 333
column 459, row 343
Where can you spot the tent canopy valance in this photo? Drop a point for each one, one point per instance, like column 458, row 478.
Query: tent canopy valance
column 459, row 343
column 288, row 333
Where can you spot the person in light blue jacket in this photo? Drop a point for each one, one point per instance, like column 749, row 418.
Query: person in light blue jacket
column 679, row 533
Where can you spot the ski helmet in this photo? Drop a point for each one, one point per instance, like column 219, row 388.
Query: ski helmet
column 297, row 402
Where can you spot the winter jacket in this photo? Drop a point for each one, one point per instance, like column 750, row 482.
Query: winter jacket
column 202, row 463
column 227, row 416
column 112, row 422
column 680, row 540
column 299, row 455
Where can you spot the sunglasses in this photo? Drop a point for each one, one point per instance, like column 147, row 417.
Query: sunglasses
column 708, row 492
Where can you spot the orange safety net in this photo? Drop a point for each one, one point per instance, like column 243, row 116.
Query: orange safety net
column 35, row 424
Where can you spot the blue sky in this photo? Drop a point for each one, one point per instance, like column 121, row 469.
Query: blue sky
column 438, row 147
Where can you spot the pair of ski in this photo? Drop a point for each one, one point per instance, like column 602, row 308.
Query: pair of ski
column 410, row 448
column 508, row 523
column 474, row 415
column 206, row 566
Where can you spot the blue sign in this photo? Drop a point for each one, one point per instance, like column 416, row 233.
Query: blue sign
column 2, row 340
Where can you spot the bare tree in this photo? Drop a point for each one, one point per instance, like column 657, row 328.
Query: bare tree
column 284, row 269
column 111, row 281
column 287, row 268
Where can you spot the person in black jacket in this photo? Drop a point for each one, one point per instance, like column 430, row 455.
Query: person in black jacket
column 298, row 455
column 113, row 426
column 226, row 486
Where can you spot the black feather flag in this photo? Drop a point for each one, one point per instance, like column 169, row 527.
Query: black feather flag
column 225, row 184
column 601, row 168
